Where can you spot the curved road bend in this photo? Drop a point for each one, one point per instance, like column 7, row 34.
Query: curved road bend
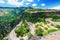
column 11, row 35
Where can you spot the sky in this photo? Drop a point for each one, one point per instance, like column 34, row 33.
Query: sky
column 44, row 4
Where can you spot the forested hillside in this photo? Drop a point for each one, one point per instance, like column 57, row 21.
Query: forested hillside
column 9, row 18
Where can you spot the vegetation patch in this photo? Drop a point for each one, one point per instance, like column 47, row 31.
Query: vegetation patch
column 34, row 17
column 56, row 20
column 21, row 39
column 22, row 30
column 49, row 31
column 39, row 32
column 44, row 29
column 58, row 26
column 29, row 35
column 7, row 23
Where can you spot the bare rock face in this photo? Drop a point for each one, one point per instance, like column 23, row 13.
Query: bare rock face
column 52, row 36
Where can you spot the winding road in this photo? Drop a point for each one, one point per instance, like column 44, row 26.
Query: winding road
column 11, row 35
column 49, row 20
column 31, row 27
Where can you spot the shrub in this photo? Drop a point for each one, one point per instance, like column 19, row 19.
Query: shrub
column 29, row 35
column 48, row 31
column 56, row 20
column 58, row 26
column 39, row 32
column 21, row 39
column 52, row 30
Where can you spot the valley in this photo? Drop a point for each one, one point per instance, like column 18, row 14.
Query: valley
column 28, row 23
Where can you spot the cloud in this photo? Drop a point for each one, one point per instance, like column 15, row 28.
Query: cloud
column 29, row 0
column 18, row 4
column 42, row 4
column 2, row 1
column 15, row 2
column 34, row 5
column 56, row 7
column 27, row 3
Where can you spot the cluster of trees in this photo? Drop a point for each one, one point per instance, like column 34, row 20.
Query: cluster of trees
column 7, row 23
column 10, row 20
column 22, row 30
column 39, row 32
column 55, row 18
column 33, row 9
column 49, row 31
column 34, row 17
column 58, row 26
column 37, row 9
